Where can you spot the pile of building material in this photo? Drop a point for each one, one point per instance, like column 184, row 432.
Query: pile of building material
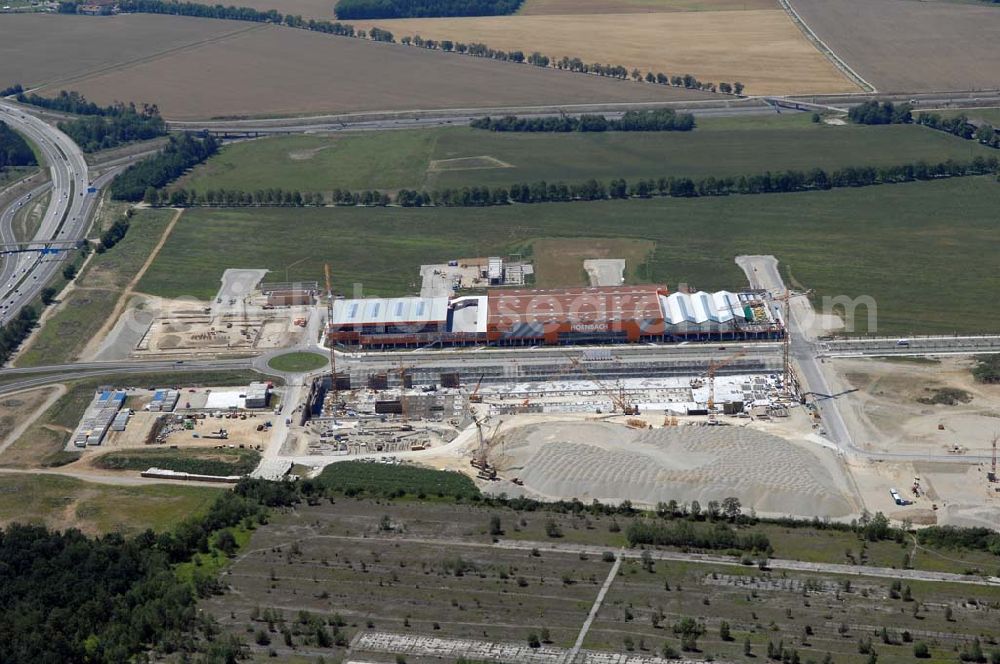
column 98, row 418
column 164, row 474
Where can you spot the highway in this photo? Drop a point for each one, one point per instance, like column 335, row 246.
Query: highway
column 23, row 276
column 724, row 106
column 911, row 346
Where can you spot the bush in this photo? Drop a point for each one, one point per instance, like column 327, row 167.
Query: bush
column 920, row 650
column 683, row 533
column 987, row 369
column 874, row 113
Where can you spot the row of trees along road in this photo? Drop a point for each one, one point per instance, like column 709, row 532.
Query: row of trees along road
column 816, row 179
column 661, row 119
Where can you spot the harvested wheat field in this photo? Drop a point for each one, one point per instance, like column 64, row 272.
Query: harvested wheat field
column 276, row 71
column 589, row 460
column 906, row 46
column 55, row 49
column 761, row 48
column 545, row 7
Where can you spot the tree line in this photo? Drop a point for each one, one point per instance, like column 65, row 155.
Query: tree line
column 687, row 534
column 14, row 150
column 961, row 127
column 17, row 88
column 70, row 598
column 661, row 119
column 181, row 153
column 71, row 101
column 875, row 113
column 362, row 9
column 970, row 539
column 338, row 28
column 816, row 179
column 100, row 132
column 15, row 332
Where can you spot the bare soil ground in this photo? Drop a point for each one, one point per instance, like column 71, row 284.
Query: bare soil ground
column 603, row 461
column 886, row 416
column 761, row 48
column 559, row 262
column 19, row 410
column 543, row 7
column 298, row 71
column 37, row 49
column 906, row 46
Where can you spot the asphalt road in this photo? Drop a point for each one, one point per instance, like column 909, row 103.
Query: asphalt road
column 912, row 346
column 806, row 351
column 725, row 106
column 24, row 275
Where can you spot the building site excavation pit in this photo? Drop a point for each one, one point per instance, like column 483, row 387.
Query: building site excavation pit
column 611, row 463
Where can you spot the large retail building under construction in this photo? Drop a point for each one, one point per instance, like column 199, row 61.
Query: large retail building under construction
column 613, row 314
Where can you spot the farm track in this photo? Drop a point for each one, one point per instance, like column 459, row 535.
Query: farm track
column 904, row 46
column 125, row 64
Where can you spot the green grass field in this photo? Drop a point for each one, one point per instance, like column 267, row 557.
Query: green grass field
column 420, row 158
column 64, row 502
column 991, row 115
column 376, row 479
column 925, row 251
column 28, row 219
column 200, row 460
column 297, row 362
column 98, row 288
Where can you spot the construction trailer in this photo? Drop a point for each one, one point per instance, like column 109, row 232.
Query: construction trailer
column 164, row 401
column 99, row 418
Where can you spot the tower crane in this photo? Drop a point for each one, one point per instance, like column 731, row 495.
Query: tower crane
column 992, row 475
column 618, row 396
column 329, row 341
column 786, row 345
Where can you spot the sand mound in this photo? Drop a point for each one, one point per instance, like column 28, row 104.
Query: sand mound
column 608, row 462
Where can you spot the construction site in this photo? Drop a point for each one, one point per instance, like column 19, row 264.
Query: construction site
column 247, row 314
column 568, row 316
column 132, row 418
